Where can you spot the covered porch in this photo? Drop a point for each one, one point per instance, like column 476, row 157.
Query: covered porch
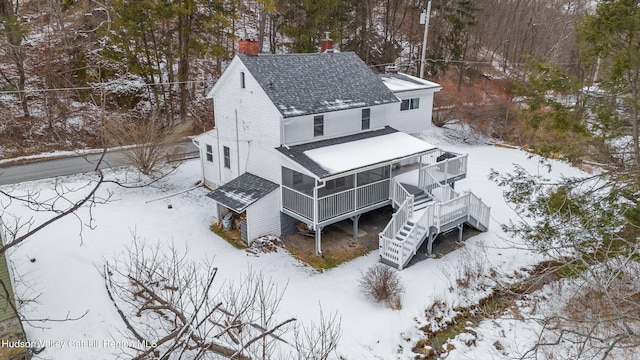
column 331, row 181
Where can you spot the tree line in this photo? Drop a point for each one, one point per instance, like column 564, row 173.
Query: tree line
column 67, row 44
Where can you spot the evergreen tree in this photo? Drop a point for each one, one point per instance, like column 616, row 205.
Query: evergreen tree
column 158, row 40
column 451, row 23
column 306, row 22
column 610, row 42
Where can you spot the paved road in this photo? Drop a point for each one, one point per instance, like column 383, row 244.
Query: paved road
column 67, row 166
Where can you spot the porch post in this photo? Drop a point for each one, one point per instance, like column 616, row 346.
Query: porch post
column 355, row 226
column 430, row 244
column 318, row 238
column 460, row 228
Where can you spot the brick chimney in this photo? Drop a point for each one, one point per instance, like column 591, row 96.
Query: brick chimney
column 248, row 46
column 326, row 44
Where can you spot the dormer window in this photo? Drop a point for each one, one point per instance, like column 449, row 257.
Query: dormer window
column 318, row 125
column 366, row 119
column 242, row 84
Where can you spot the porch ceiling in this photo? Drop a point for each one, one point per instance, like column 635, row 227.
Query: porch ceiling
column 327, row 158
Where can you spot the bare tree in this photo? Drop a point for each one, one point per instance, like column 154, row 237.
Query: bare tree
column 147, row 138
column 171, row 307
column 318, row 341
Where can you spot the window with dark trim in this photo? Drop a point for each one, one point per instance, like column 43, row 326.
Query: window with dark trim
column 410, row 104
column 227, row 157
column 242, row 83
column 366, row 119
column 209, row 153
column 318, row 125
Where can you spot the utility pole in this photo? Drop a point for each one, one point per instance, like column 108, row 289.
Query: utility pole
column 424, row 39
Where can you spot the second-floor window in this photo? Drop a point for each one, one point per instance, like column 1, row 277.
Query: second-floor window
column 209, row 153
column 318, row 125
column 366, row 119
column 227, row 157
column 409, row 104
column 242, row 84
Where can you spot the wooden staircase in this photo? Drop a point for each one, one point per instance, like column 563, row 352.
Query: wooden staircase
column 423, row 215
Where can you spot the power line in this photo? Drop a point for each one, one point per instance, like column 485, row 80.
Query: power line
column 94, row 87
column 415, row 62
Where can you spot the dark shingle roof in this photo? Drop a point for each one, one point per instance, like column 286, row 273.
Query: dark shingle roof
column 239, row 193
column 303, row 84
column 296, row 153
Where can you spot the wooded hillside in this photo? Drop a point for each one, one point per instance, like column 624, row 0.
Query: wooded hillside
column 67, row 67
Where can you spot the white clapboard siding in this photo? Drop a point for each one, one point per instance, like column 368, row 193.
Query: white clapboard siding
column 248, row 122
column 299, row 130
column 413, row 120
column 210, row 175
column 263, row 216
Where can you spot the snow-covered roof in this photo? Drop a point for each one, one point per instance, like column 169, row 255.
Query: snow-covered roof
column 399, row 82
column 239, row 193
column 331, row 157
column 304, row 84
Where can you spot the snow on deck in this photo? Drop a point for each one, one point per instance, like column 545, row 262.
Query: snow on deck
column 360, row 153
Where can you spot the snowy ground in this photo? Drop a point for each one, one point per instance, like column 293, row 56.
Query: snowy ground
column 65, row 278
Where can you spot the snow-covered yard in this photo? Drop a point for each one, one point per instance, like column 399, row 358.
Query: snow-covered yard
column 61, row 270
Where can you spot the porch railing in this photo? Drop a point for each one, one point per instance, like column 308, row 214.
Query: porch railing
column 442, row 171
column 334, row 205
column 297, row 202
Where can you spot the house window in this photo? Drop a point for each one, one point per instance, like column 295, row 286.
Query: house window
column 242, row 84
column 209, row 153
column 227, row 157
column 410, row 104
column 366, row 119
column 318, row 125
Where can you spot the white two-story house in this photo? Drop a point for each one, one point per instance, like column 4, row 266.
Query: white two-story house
column 319, row 138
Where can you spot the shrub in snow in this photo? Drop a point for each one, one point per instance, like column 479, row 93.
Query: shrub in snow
column 383, row 285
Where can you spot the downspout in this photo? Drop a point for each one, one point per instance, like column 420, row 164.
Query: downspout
column 237, row 142
column 318, row 230
column 218, row 152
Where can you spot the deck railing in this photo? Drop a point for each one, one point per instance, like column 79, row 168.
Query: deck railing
column 334, row 205
column 440, row 172
column 435, row 216
column 390, row 247
column 397, row 193
column 479, row 210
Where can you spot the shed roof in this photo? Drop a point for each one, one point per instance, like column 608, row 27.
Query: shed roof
column 304, row 84
column 335, row 156
column 239, row 193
